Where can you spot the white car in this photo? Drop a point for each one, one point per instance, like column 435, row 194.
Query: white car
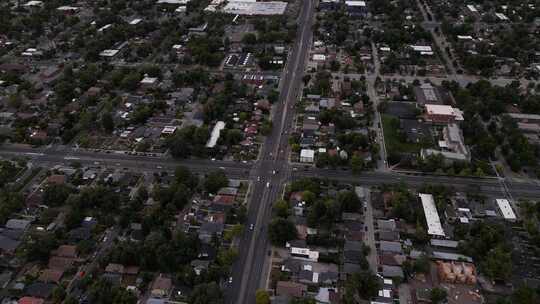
column 230, row 280
column 251, row 227
column 267, row 184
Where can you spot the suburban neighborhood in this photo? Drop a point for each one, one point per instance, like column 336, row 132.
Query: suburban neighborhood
column 254, row 151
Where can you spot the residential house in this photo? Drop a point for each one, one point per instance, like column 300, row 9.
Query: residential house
column 199, row 266
column 442, row 114
column 161, row 287
column 307, row 156
column 394, row 247
column 299, row 249
column 291, row 289
column 208, row 230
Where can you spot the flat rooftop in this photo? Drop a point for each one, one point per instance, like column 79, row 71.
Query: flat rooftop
column 506, row 209
column 255, row 8
column 432, row 216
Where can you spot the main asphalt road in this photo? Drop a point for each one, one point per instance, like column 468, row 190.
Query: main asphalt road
column 48, row 158
column 270, row 172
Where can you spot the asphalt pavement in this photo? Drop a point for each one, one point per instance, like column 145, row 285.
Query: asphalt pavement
column 271, row 172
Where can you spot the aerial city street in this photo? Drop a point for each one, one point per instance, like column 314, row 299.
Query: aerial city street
column 253, row 151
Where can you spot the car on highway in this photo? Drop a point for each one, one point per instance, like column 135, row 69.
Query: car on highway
column 251, row 227
column 267, row 184
column 230, row 280
column 258, row 178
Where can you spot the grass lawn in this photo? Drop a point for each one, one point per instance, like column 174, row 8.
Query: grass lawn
column 392, row 139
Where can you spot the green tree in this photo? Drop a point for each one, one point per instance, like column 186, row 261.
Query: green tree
column 215, row 181
column 273, row 96
column 233, row 137
column 206, row 293
column 349, row 201
column 9, row 202
column 64, row 93
column 178, row 146
column 130, row 81
column 302, row 301
column 364, row 284
column 235, row 231
column 525, row 295
column 266, row 127
column 184, row 176
column 226, row 257
column 498, row 264
column 101, row 291
column 58, row 294
column 421, row 265
column 38, row 248
column 438, row 295
column 281, row 207
column 107, row 122
column 262, row 297
column 56, row 194
column 249, row 38
column 281, row 231
column 309, row 197
column 357, row 164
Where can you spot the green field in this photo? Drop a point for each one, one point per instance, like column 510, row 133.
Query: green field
column 393, row 140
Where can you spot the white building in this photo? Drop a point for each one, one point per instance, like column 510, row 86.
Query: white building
column 501, row 17
column 109, row 53
column 214, row 136
column 299, row 249
column 452, row 147
column 307, row 156
column 432, row 216
column 506, row 210
column 148, row 82
column 319, row 57
column 422, row 49
column 173, row 2
column 68, row 9
column 252, row 8
column 472, row 9
column 104, row 28
column 168, row 130
column 31, row 52
column 443, row 113
column 453, row 139
column 34, row 3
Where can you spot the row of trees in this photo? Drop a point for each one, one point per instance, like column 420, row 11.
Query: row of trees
column 487, row 243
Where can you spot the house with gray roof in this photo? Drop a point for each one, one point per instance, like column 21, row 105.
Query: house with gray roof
column 394, row 247
column 17, row 224
column 392, row 271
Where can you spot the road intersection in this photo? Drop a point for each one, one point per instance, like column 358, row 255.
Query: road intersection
column 271, row 172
